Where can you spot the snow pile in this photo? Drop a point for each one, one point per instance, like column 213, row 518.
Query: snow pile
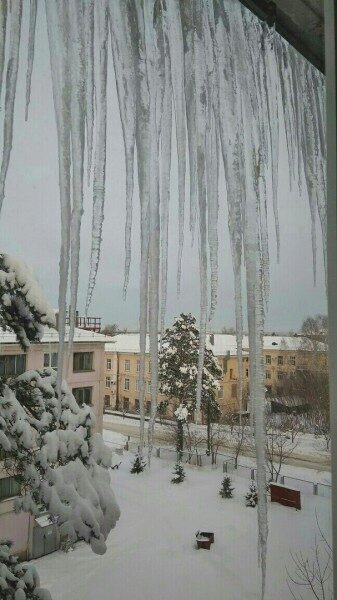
column 23, row 306
column 18, row 581
column 62, row 465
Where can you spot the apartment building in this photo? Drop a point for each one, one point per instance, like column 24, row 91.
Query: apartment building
column 86, row 377
column 282, row 355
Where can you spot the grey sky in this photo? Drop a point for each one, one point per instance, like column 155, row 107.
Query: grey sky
column 29, row 224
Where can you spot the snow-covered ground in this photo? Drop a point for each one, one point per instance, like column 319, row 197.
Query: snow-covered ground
column 151, row 553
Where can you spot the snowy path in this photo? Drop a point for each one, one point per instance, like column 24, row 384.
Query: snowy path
column 151, row 555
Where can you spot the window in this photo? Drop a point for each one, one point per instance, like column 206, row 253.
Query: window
column 280, row 360
column 280, row 375
column 12, row 364
column 268, row 375
column 149, row 366
column 126, row 384
column 292, row 360
column 83, row 395
column 268, row 390
column 126, row 404
column 268, row 359
column 50, row 360
column 137, row 385
column 108, row 382
column 82, row 361
column 247, row 372
column 220, row 393
column 127, row 365
column 138, row 366
column 137, row 408
column 9, row 488
column 148, row 407
column 231, row 374
column 106, row 400
column 108, row 364
column 234, row 390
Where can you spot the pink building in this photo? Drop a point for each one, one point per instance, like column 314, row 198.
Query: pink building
column 86, row 377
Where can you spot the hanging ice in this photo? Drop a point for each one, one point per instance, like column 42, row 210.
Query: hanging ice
column 222, row 76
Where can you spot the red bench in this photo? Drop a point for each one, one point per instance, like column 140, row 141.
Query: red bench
column 285, row 495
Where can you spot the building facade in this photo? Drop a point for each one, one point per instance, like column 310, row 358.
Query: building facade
column 86, row 378
column 282, row 356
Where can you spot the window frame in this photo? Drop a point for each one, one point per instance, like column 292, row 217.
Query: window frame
column 82, row 355
column 6, row 358
column 14, row 488
column 127, row 387
column 84, row 388
column 108, row 361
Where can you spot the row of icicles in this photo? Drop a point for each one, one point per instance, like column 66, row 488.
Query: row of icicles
column 221, row 77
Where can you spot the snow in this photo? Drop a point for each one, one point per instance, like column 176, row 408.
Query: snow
column 114, row 439
column 155, row 557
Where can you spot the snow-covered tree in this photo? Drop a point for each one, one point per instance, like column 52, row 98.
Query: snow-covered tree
column 18, row 581
column 226, row 490
column 47, row 437
column 251, row 496
column 178, row 368
column 178, row 473
column 23, row 308
column 138, row 464
column 181, row 415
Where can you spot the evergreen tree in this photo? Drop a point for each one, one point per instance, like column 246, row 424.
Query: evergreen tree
column 138, row 464
column 46, row 437
column 178, row 474
column 226, row 490
column 18, row 581
column 251, row 496
column 178, row 369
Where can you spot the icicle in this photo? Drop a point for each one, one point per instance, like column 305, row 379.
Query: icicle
column 188, row 35
column 11, row 79
column 121, row 42
column 176, row 48
column 100, row 152
column 58, row 49
column 30, row 58
column 166, row 131
column 89, row 27
column 152, row 53
column 200, row 125
column 3, row 23
column 77, row 116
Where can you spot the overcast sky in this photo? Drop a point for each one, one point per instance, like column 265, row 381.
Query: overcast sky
column 29, row 224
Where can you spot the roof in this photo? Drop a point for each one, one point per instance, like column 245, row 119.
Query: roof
column 51, row 336
column 300, row 22
column 223, row 343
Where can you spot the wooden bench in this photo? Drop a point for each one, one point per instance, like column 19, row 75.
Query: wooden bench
column 285, row 495
column 204, row 539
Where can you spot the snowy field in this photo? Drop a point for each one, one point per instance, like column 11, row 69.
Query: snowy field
column 151, row 552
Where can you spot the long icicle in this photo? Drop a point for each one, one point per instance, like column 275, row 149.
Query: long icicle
column 30, row 56
column 11, row 79
column 58, row 44
column 100, row 153
column 3, row 24
column 124, row 64
column 77, row 115
column 89, row 32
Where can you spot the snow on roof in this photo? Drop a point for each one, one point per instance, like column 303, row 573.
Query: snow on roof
column 51, row 335
column 223, row 343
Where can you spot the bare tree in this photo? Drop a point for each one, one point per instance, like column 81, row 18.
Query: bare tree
column 312, row 573
column 279, row 446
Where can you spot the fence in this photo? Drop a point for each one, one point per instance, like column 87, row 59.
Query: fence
column 229, row 466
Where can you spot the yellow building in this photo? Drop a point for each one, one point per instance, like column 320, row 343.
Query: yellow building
column 282, row 355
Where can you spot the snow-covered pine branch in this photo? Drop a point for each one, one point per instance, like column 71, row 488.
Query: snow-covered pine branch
column 18, row 581
column 61, row 464
column 23, row 307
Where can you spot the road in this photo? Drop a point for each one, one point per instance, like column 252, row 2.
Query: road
column 132, row 430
